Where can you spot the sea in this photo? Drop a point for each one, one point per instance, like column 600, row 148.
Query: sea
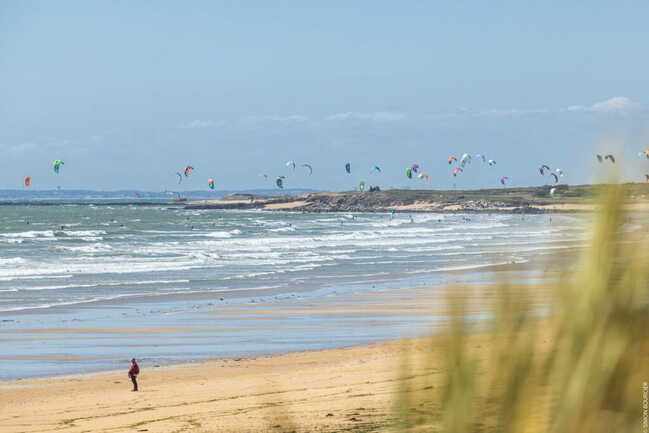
column 77, row 255
column 69, row 274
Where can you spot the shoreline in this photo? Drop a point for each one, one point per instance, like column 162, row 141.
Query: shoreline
column 328, row 390
column 197, row 363
column 229, row 394
column 269, row 327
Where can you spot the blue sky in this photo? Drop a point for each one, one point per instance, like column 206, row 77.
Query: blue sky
column 129, row 92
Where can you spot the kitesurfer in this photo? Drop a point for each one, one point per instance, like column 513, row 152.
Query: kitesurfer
column 56, row 165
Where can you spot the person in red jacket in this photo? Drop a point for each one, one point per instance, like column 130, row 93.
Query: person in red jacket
column 133, row 372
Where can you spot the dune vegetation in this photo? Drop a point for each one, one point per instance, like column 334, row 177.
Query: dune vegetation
column 591, row 376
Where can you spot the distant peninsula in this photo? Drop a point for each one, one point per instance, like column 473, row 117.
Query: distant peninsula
column 541, row 199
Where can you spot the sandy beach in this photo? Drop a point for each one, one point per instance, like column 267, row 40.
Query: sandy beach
column 351, row 389
column 301, row 361
column 353, row 385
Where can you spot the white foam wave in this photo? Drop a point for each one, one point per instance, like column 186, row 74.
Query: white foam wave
column 124, row 284
column 220, row 234
column 36, row 277
column 13, row 261
column 282, row 229
column 94, row 248
column 34, row 234
column 83, row 233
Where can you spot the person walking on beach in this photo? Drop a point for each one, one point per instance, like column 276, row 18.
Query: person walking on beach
column 133, row 372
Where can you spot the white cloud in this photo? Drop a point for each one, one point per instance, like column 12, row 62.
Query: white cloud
column 574, row 108
column 617, row 104
column 614, row 104
column 379, row 116
column 197, row 124
column 513, row 112
column 276, row 118
column 26, row 147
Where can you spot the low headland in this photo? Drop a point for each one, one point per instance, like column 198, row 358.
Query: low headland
column 530, row 200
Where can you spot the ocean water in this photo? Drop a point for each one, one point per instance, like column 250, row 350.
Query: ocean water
column 77, row 255
column 85, row 288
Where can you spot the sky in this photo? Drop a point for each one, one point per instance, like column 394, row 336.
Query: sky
column 128, row 93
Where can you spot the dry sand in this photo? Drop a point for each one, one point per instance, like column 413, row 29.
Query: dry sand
column 286, row 206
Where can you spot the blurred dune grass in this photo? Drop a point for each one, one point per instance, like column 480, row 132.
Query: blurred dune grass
column 581, row 369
